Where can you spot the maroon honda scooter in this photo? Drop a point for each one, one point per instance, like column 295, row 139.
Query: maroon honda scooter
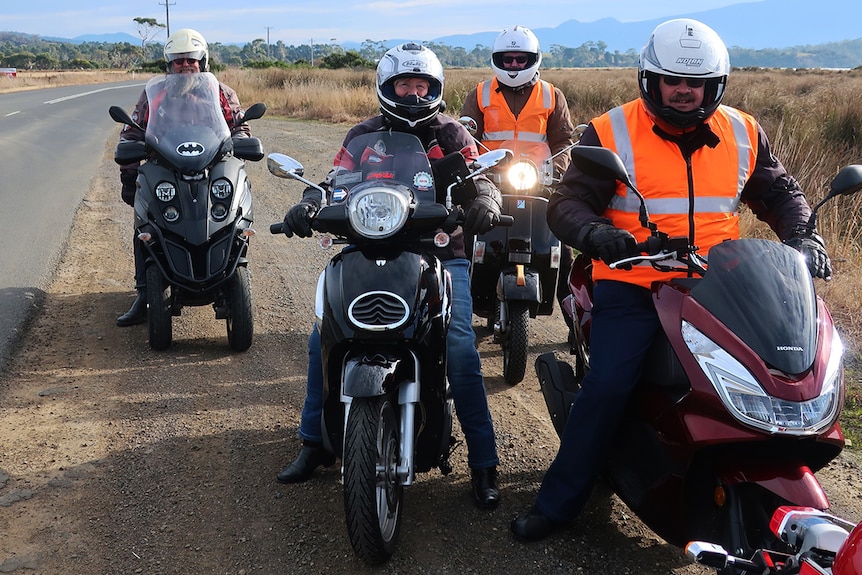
column 738, row 404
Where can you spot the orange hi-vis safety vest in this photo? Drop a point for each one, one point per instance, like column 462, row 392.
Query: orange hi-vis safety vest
column 697, row 199
column 500, row 123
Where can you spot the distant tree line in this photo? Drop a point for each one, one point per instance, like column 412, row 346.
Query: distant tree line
column 29, row 52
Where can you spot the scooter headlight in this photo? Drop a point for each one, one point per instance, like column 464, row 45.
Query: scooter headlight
column 378, row 212
column 523, row 175
column 746, row 400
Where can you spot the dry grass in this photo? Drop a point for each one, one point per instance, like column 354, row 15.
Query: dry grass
column 813, row 118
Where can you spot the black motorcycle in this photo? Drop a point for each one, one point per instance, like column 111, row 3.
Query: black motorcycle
column 193, row 205
column 383, row 312
column 516, row 269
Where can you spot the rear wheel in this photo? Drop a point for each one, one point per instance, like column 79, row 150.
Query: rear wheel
column 372, row 491
column 516, row 343
column 159, row 313
column 240, row 321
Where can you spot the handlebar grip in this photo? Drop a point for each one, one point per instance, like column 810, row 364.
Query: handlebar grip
column 276, row 228
column 506, row 220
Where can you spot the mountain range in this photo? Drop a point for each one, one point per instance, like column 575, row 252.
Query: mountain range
column 754, row 25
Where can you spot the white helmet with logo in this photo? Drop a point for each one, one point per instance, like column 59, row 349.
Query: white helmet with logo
column 187, row 43
column 689, row 49
column 415, row 61
column 517, row 39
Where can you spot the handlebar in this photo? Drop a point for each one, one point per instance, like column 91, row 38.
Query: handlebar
column 504, row 221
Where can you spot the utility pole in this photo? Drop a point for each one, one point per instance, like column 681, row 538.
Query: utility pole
column 168, row 15
column 268, row 28
column 312, row 51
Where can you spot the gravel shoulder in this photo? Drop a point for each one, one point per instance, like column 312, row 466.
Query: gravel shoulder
column 118, row 459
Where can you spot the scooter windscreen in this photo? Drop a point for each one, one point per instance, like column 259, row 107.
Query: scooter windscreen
column 762, row 291
column 393, row 157
column 186, row 125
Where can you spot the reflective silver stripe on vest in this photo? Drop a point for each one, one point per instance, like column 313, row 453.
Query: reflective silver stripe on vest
column 510, row 134
column 714, row 204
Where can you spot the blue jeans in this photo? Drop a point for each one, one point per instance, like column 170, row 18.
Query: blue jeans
column 464, row 371
column 624, row 324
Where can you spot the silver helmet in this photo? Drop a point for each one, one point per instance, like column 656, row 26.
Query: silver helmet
column 415, row 61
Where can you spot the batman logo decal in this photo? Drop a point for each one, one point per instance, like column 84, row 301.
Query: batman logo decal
column 190, row 149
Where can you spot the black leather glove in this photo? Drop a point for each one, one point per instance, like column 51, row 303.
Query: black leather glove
column 813, row 249
column 298, row 218
column 484, row 211
column 610, row 243
column 127, row 179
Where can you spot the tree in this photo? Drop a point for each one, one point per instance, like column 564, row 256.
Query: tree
column 147, row 30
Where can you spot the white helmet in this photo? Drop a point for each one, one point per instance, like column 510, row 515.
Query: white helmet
column 415, row 61
column 187, row 43
column 688, row 49
column 517, row 39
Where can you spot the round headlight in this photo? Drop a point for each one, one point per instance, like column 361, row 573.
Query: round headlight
column 166, row 191
column 378, row 212
column 218, row 212
column 171, row 214
column 221, row 189
column 523, row 175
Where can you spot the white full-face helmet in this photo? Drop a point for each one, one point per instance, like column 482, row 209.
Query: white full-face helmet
column 689, row 49
column 516, row 39
column 415, row 61
column 187, row 43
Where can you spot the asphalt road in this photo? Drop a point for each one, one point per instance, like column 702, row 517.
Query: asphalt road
column 51, row 141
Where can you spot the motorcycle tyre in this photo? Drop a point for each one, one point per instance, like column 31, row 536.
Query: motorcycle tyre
column 240, row 321
column 372, row 500
column 159, row 312
column 516, row 342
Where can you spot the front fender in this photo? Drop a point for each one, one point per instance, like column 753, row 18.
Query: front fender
column 369, row 374
column 792, row 481
column 511, row 288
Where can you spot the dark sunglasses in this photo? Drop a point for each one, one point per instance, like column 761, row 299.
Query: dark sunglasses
column 676, row 81
column 183, row 61
column 518, row 59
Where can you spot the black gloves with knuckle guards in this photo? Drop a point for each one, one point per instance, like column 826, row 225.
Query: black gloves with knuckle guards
column 609, row 243
column 484, row 211
column 813, row 249
column 298, row 218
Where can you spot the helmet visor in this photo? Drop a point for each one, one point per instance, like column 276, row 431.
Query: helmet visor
column 194, row 55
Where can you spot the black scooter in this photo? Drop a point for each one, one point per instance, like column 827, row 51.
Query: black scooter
column 383, row 312
column 193, row 205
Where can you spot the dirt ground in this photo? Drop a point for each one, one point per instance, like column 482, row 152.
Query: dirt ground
column 116, row 459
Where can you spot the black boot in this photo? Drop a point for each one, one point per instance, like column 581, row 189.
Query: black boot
column 486, row 494
column 311, row 456
column 137, row 313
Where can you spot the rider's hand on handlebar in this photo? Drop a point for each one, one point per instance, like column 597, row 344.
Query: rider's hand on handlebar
column 298, row 219
column 484, row 211
column 611, row 243
column 812, row 247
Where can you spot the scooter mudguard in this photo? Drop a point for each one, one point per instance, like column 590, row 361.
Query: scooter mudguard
column 369, row 375
column 791, row 481
column 510, row 287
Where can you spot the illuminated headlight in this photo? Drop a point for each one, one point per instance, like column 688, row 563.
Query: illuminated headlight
column 166, row 191
column 171, row 214
column 750, row 404
column 377, row 212
column 218, row 212
column 221, row 189
column 523, row 175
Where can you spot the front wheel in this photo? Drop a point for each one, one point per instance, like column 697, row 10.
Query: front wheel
column 240, row 322
column 159, row 312
column 372, row 490
column 516, row 342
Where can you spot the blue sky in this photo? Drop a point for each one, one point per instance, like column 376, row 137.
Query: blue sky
column 326, row 21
